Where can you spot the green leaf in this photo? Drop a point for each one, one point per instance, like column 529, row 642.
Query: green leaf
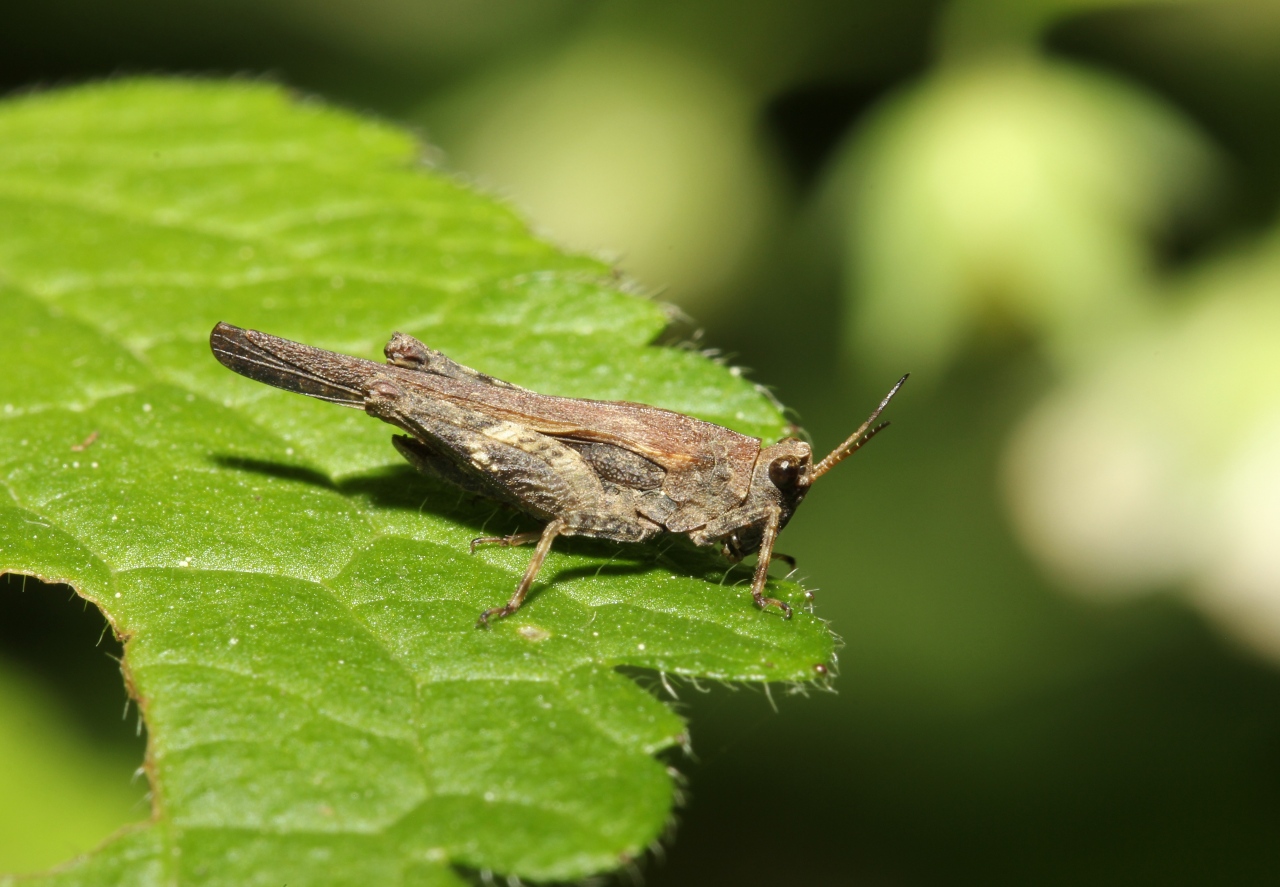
column 299, row 606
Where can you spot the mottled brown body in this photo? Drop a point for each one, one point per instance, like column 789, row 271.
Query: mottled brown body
column 608, row 469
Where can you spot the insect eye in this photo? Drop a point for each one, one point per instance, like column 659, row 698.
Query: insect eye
column 784, row 473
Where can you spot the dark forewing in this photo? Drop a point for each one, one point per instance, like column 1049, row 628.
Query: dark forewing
column 291, row 365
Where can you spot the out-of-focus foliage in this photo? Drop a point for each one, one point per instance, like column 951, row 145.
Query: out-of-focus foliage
column 622, row 146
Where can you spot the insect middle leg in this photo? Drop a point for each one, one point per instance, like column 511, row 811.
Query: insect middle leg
column 761, row 575
column 545, row 538
column 767, row 519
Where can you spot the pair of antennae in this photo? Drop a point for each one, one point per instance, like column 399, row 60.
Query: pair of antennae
column 858, row 438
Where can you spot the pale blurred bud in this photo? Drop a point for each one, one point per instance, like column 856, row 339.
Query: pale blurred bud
column 1161, row 465
column 625, row 149
column 1015, row 190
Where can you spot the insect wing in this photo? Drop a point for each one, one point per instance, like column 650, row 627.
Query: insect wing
column 678, row 443
column 672, row 440
column 295, row 367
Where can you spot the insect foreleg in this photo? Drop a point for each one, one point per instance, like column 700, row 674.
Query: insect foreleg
column 786, row 559
column 762, row 567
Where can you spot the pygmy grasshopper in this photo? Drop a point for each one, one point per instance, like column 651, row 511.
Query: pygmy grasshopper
column 608, row 469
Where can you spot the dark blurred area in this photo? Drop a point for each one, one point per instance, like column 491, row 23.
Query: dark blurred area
column 70, row 740
column 1056, row 576
column 51, row 631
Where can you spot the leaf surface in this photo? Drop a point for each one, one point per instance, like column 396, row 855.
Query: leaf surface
column 299, row 606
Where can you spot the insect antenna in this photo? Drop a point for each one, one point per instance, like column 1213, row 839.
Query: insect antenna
column 859, row 437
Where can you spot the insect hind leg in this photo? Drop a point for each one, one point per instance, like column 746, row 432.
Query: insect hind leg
column 433, row 464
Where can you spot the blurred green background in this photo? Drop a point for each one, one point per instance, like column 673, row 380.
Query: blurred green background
column 1057, row 577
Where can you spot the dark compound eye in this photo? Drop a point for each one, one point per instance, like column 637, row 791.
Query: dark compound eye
column 784, row 473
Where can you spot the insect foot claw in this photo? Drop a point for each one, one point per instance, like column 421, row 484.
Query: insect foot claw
column 765, row 603
column 493, row 613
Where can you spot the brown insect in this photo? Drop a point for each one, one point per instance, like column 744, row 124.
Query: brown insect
column 608, row 469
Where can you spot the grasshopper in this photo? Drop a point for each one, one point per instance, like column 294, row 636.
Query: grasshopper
column 608, row 469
